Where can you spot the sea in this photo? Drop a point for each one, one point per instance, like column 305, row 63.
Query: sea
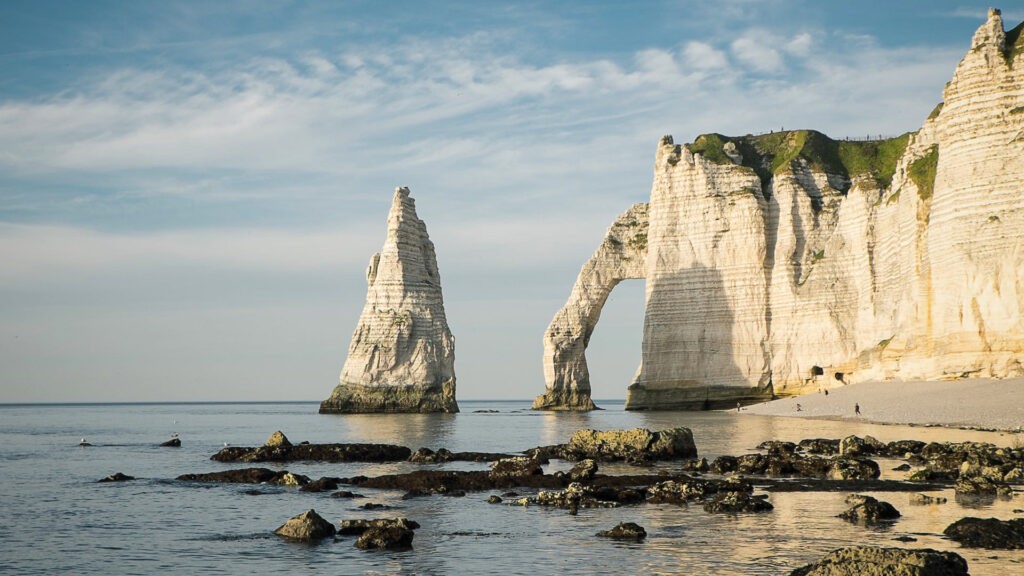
column 56, row 519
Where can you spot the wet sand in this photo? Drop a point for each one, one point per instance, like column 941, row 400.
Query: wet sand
column 973, row 403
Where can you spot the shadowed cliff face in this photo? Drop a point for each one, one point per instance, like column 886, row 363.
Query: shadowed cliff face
column 702, row 370
column 785, row 262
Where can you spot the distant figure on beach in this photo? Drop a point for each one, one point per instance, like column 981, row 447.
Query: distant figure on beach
column 84, row 443
column 856, row 409
column 826, row 391
column 737, row 406
column 799, row 408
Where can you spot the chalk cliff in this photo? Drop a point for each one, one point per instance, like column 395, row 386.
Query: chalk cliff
column 787, row 262
column 402, row 355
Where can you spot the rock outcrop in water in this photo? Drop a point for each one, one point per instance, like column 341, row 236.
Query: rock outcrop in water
column 402, row 356
column 782, row 263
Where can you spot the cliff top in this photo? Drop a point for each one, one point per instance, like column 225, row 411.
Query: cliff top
column 767, row 154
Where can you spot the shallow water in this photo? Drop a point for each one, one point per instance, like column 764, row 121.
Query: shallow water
column 56, row 518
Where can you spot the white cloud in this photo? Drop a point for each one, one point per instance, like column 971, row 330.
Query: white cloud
column 703, row 56
column 756, row 51
column 800, row 45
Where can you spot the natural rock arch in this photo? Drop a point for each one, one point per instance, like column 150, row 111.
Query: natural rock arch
column 622, row 255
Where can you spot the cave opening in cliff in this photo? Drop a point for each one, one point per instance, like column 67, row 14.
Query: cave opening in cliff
column 614, row 351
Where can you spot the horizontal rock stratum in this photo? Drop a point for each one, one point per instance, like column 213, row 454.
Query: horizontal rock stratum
column 402, row 355
column 783, row 263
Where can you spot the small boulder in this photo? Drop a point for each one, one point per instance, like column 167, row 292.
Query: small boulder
column 278, row 439
column 826, row 446
column 428, row 456
column 990, row 533
column 625, row 531
column 868, row 510
column 306, row 527
column 924, row 499
column 876, row 561
column 172, row 443
column 494, row 499
column 636, row 445
column 345, row 494
column 117, row 477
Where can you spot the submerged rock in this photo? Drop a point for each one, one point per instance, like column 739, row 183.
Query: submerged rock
column 876, row 561
column 990, row 533
column 980, row 486
column 736, row 502
column 172, row 443
column 583, row 471
column 516, row 467
column 306, row 527
column 117, row 477
column 625, row 531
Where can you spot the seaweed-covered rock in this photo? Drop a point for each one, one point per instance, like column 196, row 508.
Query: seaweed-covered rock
column 306, row 527
column 677, row 492
column 876, row 561
column 853, row 446
column 515, row 467
column 868, row 510
column 636, row 444
column 625, row 531
column 777, row 447
column 249, row 476
column 323, row 484
column 826, row 446
column 990, row 533
column 904, row 447
column 573, row 497
column 428, row 456
column 172, row 443
column 724, row 465
column 737, row 502
column 358, row 526
column 314, row 453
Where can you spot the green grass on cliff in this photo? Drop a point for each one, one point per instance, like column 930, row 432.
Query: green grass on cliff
column 922, row 172
column 766, row 154
column 1014, row 43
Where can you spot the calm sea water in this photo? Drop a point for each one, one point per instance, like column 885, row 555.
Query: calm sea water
column 55, row 518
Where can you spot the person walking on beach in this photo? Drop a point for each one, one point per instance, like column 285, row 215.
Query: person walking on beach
column 856, row 409
column 737, row 406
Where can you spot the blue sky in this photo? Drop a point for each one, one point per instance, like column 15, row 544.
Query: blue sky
column 190, row 191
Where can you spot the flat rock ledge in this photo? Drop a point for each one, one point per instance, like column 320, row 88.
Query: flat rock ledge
column 876, row 561
column 564, row 401
column 306, row 527
column 989, row 533
column 636, row 444
column 314, row 453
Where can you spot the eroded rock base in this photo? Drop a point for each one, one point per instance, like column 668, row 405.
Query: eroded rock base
column 391, row 398
column 564, row 400
column 641, row 397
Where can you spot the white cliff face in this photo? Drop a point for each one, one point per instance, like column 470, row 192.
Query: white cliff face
column 622, row 255
column 788, row 263
column 402, row 355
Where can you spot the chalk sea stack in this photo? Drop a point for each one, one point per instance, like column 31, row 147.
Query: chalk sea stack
column 780, row 264
column 402, row 355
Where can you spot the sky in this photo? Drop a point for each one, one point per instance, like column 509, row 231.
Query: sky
column 190, row 191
